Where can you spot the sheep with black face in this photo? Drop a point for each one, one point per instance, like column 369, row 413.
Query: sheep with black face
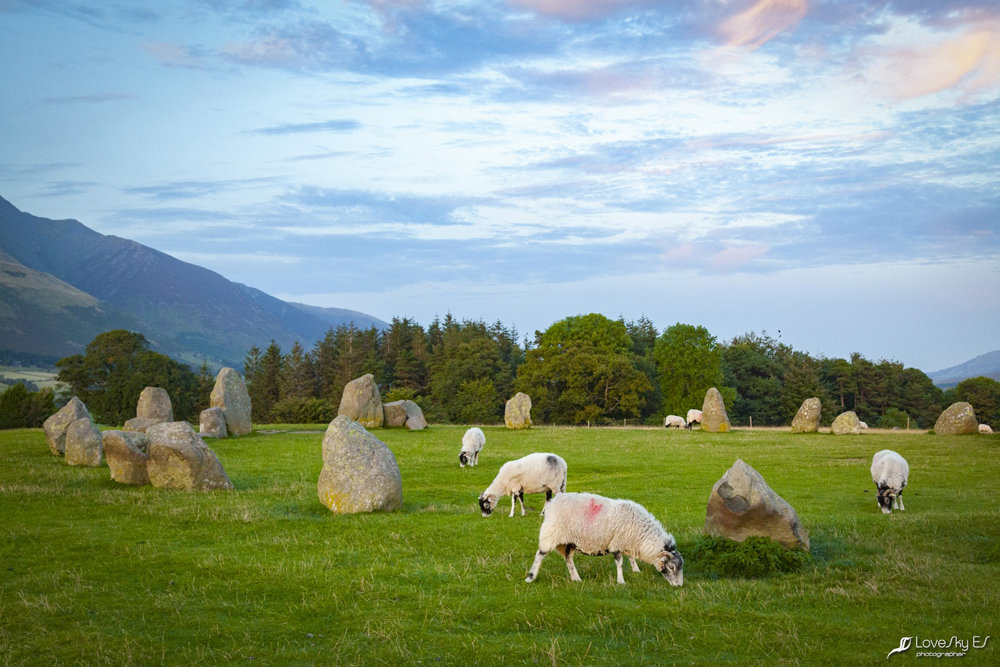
column 472, row 444
column 534, row 473
column 595, row 525
column 890, row 472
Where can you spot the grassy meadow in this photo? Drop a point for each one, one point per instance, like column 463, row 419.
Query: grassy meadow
column 92, row 572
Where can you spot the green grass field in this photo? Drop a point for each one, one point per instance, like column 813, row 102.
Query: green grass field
column 92, row 572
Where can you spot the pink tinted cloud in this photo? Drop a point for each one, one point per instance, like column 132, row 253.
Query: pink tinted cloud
column 578, row 10
column 968, row 63
column 766, row 19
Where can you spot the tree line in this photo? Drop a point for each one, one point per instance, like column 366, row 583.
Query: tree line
column 584, row 369
column 589, row 369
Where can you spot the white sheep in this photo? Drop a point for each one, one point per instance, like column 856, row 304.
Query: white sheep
column 693, row 416
column 863, row 424
column 985, row 428
column 674, row 421
column 595, row 525
column 533, row 473
column 472, row 444
column 890, row 472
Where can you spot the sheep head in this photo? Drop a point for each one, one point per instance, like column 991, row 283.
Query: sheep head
column 487, row 503
column 886, row 495
column 671, row 565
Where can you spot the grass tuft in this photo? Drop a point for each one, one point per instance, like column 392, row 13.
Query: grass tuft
column 754, row 557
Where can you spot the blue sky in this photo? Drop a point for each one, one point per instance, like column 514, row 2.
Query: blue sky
column 828, row 170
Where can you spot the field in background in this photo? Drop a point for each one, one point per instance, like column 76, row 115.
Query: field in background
column 95, row 572
column 41, row 377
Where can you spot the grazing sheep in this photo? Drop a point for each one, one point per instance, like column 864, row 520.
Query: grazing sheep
column 863, row 424
column 890, row 473
column 673, row 421
column 472, row 444
column 595, row 525
column 985, row 428
column 693, row 416
column 533, row 473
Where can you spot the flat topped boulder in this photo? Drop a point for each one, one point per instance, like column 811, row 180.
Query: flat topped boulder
column 713, row 413
column 807, row 418
column 154, row 403
column 517, row 411
column 126, row 454
column 359, row 472
column 742, row 505
column 55, row 426
column 140, row 424
column 230, row 393
column 83, row 444
column 846, row 423
column 180, row 459
column 406, row 413
column 362, row 402
column 957, row 419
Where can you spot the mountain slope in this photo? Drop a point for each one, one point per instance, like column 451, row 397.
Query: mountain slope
column 184, row 310
column 987, row 365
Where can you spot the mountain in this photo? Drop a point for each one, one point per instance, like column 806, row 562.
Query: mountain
column 987, row 365
column 62, row 283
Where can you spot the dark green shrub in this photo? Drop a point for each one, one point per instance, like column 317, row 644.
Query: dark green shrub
column 300, row 410
column 753, row 557
column 894, row 417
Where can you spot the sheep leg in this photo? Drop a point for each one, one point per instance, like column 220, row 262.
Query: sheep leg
column 513, row 503
column 635, row 566
column 520, row 498
column 573, row 574
column 533, row 572
column 618, row 566
column 899, row 501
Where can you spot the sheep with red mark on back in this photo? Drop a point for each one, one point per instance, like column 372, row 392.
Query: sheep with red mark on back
column 595, row 525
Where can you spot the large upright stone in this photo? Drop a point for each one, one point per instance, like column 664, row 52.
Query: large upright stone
column 713, row 413
column 517, row 411
column 126, row 454
column 154, row 403
column 846, row 423
column 83, row 444
column 230, row 394
column 55, row 426
column 180, row 459
column 359, row 472
column 362, row 402
column 807, row 418
column 212, row 423
column 957, row 419
column 742, row 505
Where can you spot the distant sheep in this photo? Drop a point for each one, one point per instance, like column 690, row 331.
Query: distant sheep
column 863, row 424
column 674, row 421
column 595, row 525
column 534, row 473
column 472, row 444
column 890, row 472
column 985, row 428
column 693, row 416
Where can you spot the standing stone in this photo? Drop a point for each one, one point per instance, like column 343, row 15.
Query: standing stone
column 83, row 444
column 958, row 419
column 359, row 472
column 55, row 426
column 742, row 505
column 362, row 402
column 713, row 413
column 212, row 423
column 414, row 416
column 230, row 394
column 179, row 459
column 394, row 414
column 517, row 412
column 126, row 454
column 154, row 403
column 846, row 423
column 807, row 418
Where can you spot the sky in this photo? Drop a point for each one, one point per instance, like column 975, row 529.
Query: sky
column 825, row 171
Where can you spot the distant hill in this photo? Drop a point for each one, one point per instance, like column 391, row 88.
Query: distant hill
column 62, row 283
column 987, row 365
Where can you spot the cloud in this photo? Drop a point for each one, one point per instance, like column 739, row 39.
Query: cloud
column 751, row 28
column 968, row 62
column 320, row 126
column 580, row 10
column 193, row 189
column 94, row 98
